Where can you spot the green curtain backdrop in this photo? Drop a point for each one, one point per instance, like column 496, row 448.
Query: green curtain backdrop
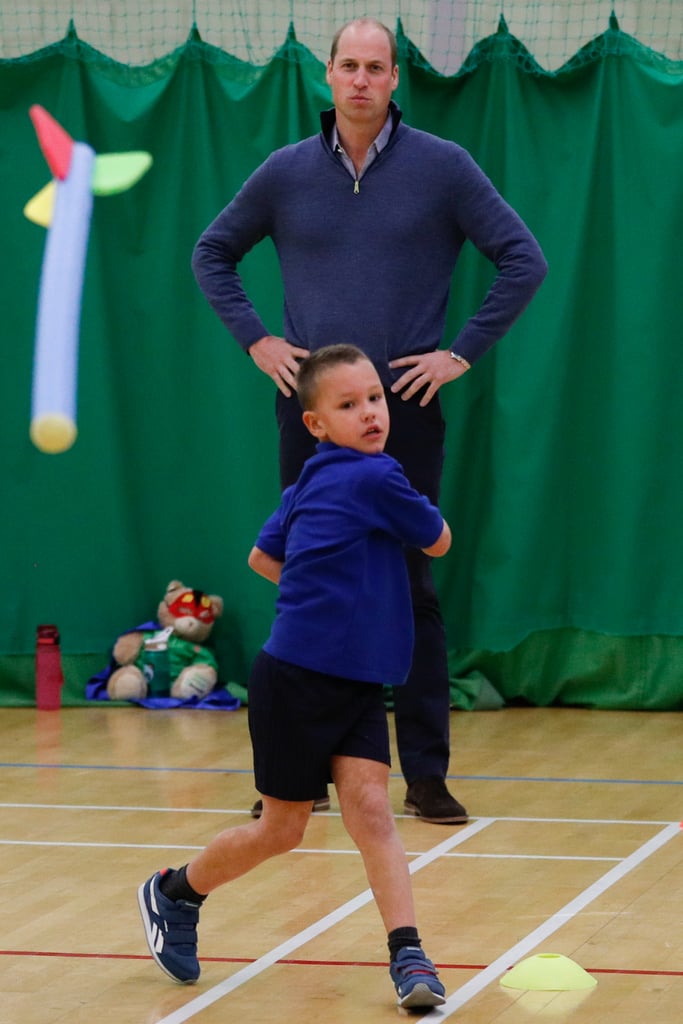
column 564, row 475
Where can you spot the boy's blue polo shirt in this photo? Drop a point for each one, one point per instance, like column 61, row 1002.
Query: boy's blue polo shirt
column 344, row 605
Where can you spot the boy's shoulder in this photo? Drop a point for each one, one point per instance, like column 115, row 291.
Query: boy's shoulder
column 336, row 469
column 352, row 461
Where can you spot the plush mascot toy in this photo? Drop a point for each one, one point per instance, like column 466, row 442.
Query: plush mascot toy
column 171, row 658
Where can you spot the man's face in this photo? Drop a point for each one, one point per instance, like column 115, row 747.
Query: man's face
column 362, row 77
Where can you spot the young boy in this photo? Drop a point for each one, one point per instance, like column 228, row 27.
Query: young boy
column 343, row 628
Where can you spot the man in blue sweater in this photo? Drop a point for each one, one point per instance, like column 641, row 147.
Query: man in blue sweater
column 368, row 219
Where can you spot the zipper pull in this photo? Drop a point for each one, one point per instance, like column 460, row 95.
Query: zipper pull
column 356, row 187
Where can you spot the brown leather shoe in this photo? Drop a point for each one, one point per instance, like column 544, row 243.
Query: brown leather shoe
column 321, row 804
column 430, row 800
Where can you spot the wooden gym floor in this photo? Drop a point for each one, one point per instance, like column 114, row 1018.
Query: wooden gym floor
column 574, row 847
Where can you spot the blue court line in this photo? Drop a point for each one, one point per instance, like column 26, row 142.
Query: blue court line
column 551, row 778
column 125, row 768
column 394, row 775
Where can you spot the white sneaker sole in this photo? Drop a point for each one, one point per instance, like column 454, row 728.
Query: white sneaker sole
column 421, row 995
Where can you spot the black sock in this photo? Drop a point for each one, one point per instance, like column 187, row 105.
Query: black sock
column 175, row 886
column 399, row 938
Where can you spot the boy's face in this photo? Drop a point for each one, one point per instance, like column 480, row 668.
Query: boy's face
column 350, row 408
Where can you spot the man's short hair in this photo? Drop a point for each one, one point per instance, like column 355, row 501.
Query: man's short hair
column 393, row 46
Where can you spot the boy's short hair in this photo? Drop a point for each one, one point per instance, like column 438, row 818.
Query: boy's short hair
column 311, row 369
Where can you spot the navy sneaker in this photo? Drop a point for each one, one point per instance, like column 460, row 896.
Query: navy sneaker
column 417, row 983
column 170, row 930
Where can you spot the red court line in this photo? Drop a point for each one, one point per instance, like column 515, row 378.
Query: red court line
column 314, row 963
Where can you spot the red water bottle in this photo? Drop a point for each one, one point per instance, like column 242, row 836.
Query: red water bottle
column 49, row 677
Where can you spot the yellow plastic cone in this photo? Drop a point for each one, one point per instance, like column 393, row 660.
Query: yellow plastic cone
column 548, row 972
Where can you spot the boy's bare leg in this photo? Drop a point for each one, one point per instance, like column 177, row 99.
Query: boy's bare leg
column 368, row 818
column 237, row 850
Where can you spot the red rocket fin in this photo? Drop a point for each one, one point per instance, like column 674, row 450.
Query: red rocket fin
column 55, row 142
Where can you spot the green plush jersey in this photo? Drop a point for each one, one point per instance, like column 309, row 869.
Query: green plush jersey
column 162, row 664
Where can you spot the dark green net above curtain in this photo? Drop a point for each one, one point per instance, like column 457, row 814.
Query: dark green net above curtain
column 564, row 474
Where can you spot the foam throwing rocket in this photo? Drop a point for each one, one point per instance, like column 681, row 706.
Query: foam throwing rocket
column 64, row 206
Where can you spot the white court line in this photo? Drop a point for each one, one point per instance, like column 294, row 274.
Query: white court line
column 97, row 846
column 467, row 856
column 114, row 807
column 522, row 948
column 212, row 995
column 299, row 849
column 319, row 814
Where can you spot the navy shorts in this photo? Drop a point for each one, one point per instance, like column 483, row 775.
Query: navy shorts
column 299, row 719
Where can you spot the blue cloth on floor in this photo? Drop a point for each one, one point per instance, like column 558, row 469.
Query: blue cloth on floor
column 218, row 700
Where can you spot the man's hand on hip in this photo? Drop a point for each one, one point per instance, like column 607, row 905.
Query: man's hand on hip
column 280, row 360
column 426, row 370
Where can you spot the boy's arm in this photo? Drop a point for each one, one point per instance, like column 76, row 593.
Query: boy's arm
column 265, row 565
column 440, row 546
